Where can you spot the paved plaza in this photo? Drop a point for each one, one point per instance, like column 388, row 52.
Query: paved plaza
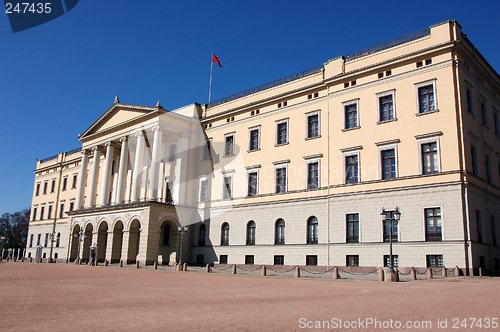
column 66, row 297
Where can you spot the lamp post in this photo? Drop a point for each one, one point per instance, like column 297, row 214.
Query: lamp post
column 80, row 236
column 183, row 230
column 383, row 217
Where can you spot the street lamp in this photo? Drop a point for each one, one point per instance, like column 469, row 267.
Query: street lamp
column 183, row 230
column 383, row 217
column 80, row 236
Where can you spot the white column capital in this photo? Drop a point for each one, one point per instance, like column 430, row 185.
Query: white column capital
column 107, row 144
column 138, row 134
column 85, row 151
column 123, row 139
column 95, row 148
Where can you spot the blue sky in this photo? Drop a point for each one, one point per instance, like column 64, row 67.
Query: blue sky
column 58, row 78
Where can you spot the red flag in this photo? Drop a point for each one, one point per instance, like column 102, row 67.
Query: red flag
column 216, row 60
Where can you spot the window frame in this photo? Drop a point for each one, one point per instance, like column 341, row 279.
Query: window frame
column 75, row 181
column 346, row 104
column 206, row 150
column 250, row 234
column 427, row 139
column 417, row 96
column 382, row 223
column 282, row 239
column 226, row 152
column 483, row 107
column 308, row 163
column 469, row 99
column 381, row 95
column 224, row 234
column 347, row 154
column 207, row 192
column 488, row 174
column 276, row 136
column 251, row 171
column 352, row 258
column 308, row 116
column 35, row 208
column 202, row 233
column 169, row 184
column 250, row 130
column 53, row 186
column 395, row 260
column 424, row 223
column 61, row 209
column 45, row 187
column 276, row 168
column 439, row 259
column 171, row 157
column 229, row 175
column 346, row 228
column 64, row 183
column 312, row 238
column 386, row 146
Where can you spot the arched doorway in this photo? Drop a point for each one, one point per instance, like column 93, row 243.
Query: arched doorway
column 116, row 250
column 74, row 243
column 167, row 243
column 102, row 241
column 87, row 242
column 133, row 244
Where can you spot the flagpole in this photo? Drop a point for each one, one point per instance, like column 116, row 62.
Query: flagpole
column 211, row 69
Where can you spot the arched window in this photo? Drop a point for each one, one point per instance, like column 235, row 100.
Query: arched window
column 312, row 230
column 58, row 240
column 166, row 235
column 201, row 238
column 224, row 238
column 250, row 233
column 280, row 232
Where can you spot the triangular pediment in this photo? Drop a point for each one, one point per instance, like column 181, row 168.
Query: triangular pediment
column 117, row 115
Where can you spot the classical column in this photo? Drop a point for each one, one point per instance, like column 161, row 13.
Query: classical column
column 125, row 243
column 138, row 164
column 155, row 164
column 181, row 170
column 94, row 177
column 106, row 174
column 122, row 171
column 109, row 245
column 81, row 180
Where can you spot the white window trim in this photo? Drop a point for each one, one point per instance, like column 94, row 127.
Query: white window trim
column 276, row 167
column 417, row 99
column 349, row 103
column 207, row 198
column 382, row 227
column 231, row 193
column 312, row 161
column 308, row 114
column 174, row 142
column 234, row 142
column 359, row 225
column 430, row 139
column 64, row 177
column 287, row 132
column 344, row 168
column 442, row 221
column 253, row 170
column 250, row 138
column 379, row 95
column 209, row 150
column 384, row 147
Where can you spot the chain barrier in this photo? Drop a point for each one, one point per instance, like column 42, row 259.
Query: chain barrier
column 359, row 273
column 281, row 271
column 249, row 270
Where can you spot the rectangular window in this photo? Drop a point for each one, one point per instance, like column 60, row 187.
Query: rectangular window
column 42, row 210
column 352, row 260
column 351, row 116
column 53, row 186
column 313, row 125
column 38, row 239
column 46, row 240
column 280, row 180
column 31, row 240
column 34, row 214
column 312, row 175
column 73, row 185
column 207, row 150
column 227, row 190
column 426, row 99
column 484, row 114
column 386, row 108
column 352, row 226
column 71, row 205
column 496, row 123
column 479, row 226
column 279, row 260
column 473, row 153
column 470, row 101
column 252, row 184
column 223, row 259
column 430, row 160
column 390, row 220
column 49, row 212
column 434, row 260
column 37, row 191
column 171, row 152
column 254, row 139
column 229, row 145
column 311, row 260
column 494, row 234
column 45, row 185
column 487, row 164
column 388, row 164
column 395, row 260
column 282, row 132
column 61, row 210
column 433, row 224
column 65, row 183
column 249, row 259
column 203, row 190
column 351, row 166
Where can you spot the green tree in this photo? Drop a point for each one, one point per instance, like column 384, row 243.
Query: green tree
column 14, row 229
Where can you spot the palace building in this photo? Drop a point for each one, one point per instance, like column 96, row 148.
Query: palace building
column 295, row 172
